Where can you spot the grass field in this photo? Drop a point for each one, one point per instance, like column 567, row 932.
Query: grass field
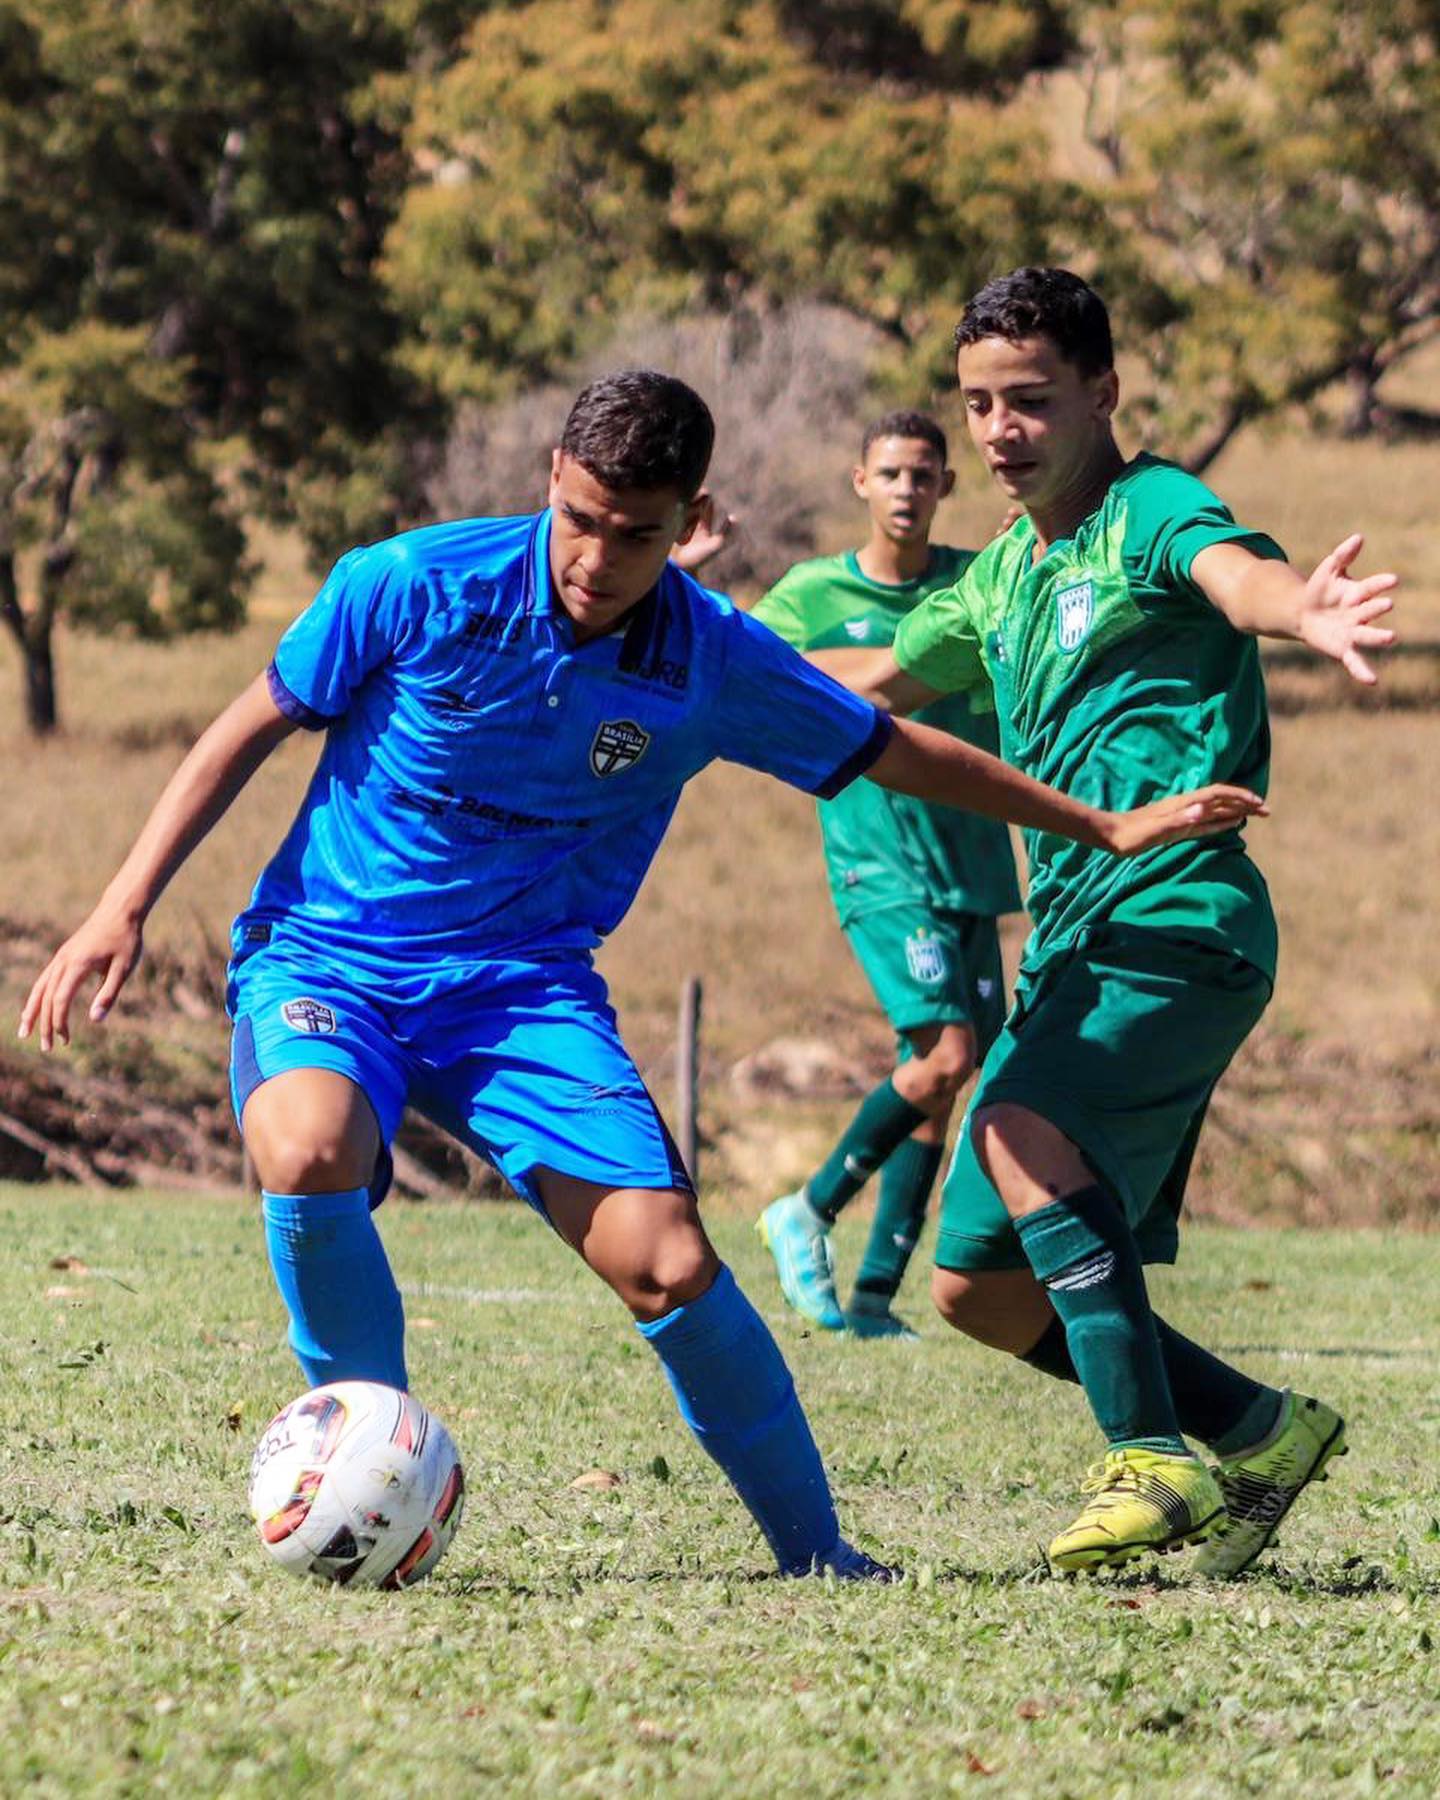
column 628, row 1641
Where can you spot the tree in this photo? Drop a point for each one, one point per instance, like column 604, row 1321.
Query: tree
column 105, row 510
column 1275, row 177
column 193, row 204
column 636, row 167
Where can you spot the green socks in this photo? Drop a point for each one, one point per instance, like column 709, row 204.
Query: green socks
column 1223, row 1409
column 882, row 1124
column 1084, row 1254
column 905, row 1186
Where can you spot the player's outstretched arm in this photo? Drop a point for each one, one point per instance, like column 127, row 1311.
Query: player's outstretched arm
column 1331, row 611
column 935, row 766
column 108, row 944
column 875, row 676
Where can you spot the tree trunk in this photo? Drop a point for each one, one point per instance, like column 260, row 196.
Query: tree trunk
column 1362, row 409
column 34, row 639
column 39, row 655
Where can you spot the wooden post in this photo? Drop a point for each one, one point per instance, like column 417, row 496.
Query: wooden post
column 687, row 1076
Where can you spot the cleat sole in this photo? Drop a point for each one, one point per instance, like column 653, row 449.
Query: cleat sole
column 1113, row 1556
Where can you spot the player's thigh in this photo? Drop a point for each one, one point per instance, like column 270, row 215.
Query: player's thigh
column 540, row 1080
column 647, row 1243
column 317, row 1081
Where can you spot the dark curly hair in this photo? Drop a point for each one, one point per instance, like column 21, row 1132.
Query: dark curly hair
column 641, row 429
column 1050, row 303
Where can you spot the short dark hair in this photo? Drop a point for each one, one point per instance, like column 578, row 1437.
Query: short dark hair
column 906, row 425
column 641, row 429
column 1050, row 303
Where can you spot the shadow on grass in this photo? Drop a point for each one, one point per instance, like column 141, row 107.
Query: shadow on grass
column 1129, row 1587
column 1339, row 1352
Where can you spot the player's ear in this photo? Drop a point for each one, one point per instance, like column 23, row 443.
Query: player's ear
column 857, row 481
column 947, row 484
column 1107, row 393
column 694, row 512
column 555, row 460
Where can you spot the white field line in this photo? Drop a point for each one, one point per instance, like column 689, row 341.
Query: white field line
column 501, row 1296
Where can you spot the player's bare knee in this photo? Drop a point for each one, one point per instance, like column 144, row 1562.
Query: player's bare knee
column 677, row 1269
column 953, row 1297
column 303, row 1151
column 941, row 1071
column 652, row 1250
column 995, row 1307
column 311, row 1132
column 289, row 1163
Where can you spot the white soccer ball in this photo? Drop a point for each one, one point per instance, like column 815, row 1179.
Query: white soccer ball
column 358, row 1484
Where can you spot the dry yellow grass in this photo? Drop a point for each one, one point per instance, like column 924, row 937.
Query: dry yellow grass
column 738, row 894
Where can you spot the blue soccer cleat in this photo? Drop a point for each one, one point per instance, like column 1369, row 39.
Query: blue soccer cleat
column 869, row 1316
column 799, row 1240
column 846, row 1563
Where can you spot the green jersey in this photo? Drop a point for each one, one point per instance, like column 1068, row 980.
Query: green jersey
column 883, row 848
column 1117, row 681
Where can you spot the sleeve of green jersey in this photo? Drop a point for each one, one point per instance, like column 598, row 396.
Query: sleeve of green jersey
column 1171, row 518
column 780, row 610
column 939, row 643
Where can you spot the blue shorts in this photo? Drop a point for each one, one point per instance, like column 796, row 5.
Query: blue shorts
column 520, row 1060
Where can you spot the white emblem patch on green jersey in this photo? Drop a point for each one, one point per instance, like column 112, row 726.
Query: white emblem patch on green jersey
column 1074, row 614
column 925, row 958
column 859, row 629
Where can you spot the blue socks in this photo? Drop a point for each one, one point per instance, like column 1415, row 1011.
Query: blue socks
column 346, row 1318
column 736, row 1395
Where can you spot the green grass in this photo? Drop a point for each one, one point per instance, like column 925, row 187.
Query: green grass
column 584, row 1642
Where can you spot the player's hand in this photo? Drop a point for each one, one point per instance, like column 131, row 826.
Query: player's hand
column 106, row 946
column 709, row 537
column 1337, row 612
column 1200, row 813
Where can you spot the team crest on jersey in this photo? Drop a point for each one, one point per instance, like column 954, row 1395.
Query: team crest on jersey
column 618, row 745
column 859, row 629
column 925, row 958
column 1074, row 614
column 308, row 1015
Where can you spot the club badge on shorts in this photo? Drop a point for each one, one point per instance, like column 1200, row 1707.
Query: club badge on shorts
column 1074, row 614
column 925, row 958
column 618, row 745
column 308, row 1015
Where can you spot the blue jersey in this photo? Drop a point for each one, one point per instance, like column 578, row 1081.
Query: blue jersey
column 487, row 787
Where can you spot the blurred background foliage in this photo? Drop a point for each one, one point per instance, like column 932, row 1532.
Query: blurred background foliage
column 332, row 264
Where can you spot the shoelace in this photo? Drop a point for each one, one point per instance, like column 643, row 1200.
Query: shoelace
column 1110, row 1478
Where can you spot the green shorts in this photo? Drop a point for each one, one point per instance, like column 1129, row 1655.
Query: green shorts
column 1119, row 1044
column 932, row 968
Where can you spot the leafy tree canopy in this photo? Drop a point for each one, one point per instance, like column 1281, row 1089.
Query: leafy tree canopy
column 1277, row 191
column 585, row 158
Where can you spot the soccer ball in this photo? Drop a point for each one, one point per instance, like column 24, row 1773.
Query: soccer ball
column 358, row 1484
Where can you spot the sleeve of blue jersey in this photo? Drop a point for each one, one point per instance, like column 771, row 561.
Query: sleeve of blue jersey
column 777, row 713
column 353, row 624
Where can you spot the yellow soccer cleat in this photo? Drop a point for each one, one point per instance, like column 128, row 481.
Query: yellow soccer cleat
column 1140, row 1501
column 1261, row 1486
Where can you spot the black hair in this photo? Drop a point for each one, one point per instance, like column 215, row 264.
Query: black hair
column 640, row 429
column 916, row 425
column 1050, row 303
